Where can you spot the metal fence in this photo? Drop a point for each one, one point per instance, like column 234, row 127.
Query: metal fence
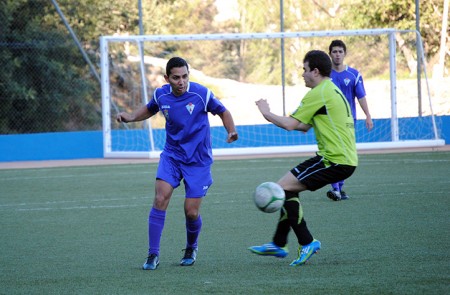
column 46, row 84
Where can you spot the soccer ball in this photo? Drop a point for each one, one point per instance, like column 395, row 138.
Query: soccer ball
column 269, row 197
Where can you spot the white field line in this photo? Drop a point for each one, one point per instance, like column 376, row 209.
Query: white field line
column 42, row 207
column 45, row 206
column 105, row 174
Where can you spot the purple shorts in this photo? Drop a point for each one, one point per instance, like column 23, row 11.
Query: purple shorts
column 197, row 179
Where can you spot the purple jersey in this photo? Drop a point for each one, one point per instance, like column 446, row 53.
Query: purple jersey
column 350, row 82
column 187, row 125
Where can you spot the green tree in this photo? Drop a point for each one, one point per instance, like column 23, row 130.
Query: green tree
column 261, row 60
column 400, row 14
column 44, row 73
column 45, row 86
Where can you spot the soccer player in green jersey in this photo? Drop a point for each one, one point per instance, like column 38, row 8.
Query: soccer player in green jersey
column 325, row 109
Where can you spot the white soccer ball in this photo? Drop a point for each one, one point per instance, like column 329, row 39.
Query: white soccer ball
column 269, row 197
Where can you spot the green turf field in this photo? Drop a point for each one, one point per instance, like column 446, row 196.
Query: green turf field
column 83, row 230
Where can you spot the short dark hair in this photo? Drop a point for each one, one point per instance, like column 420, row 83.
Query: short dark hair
column 318, row 59
column 176, row 62
column 337, row 43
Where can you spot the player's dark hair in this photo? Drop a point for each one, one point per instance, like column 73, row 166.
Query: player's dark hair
column 318, row 59
column 337, row 43
column 176, row 62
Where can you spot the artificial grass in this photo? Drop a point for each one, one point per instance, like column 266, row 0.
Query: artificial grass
column 83, row 230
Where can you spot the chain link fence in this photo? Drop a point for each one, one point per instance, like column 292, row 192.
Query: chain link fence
column 49, row 84
column 45, row 83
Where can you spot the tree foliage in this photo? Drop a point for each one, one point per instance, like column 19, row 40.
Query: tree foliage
column 45, row 83
column 401, row 14
column 44, row 86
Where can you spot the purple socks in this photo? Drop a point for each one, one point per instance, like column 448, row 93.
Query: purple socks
column 193, row 228
column 156, row 220
column 337, row 186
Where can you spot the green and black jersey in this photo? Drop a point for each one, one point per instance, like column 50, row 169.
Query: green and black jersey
column 326, row 109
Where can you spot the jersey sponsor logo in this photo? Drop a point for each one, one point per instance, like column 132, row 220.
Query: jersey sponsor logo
column 165, row 110
column 190, row 107
column 166, row 113
column 346, row 81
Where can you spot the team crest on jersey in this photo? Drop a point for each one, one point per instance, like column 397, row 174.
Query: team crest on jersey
column 190, row 107
column 346, row 81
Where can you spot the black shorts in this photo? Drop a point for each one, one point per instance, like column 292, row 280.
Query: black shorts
column 317, row 172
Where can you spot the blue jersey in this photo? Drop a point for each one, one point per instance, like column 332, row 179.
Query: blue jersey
column 351, row 84
column 188, row 136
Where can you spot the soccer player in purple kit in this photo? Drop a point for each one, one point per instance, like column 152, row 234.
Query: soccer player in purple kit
column 187, row 154
column 350, row 82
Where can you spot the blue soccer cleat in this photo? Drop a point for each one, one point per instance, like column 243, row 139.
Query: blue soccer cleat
column 190, row 254
column 305, row 252
column 270, row 249
column 151, row 263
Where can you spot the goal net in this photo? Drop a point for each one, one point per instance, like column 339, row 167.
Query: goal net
column 242, row 68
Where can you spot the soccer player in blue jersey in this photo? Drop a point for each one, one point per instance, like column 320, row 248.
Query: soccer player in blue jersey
column 350, row 82
column 187, row 153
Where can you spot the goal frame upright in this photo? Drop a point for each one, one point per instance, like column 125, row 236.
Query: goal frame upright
column 108, row 104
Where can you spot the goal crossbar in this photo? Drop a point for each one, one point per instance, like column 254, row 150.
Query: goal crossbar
column 246, row 36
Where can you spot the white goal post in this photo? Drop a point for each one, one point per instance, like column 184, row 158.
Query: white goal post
column 127, row 63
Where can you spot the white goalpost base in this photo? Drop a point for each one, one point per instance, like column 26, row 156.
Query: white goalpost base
column 313, row 148
column 272, row 150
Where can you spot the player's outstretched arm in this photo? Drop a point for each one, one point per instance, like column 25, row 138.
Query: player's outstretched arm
column 287, row 123
column 228, row 123
column 365, row 108
column 140, row 114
